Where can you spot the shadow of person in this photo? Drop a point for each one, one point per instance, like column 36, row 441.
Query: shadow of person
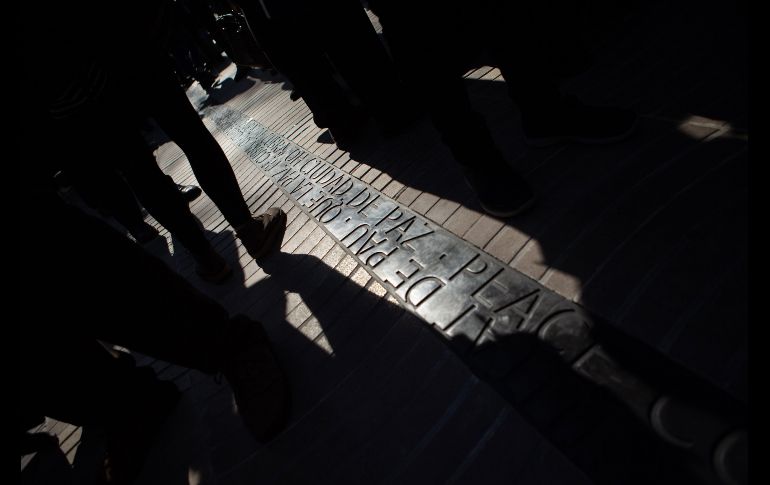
column 338, row 324
column 345, row 322
column 346, row 317
column 589, row 424
column 662, row 264
column 49, row 463
column 634, row 233
column 641, row 241
column 176, row 256
column 342, row 343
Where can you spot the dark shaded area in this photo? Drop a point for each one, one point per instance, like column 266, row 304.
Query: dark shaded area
column 637, row 223
column 586, row 422
column 660, row 257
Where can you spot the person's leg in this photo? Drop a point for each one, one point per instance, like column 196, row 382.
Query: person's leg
column 296, row 47
column 160, row 195
column 169, row 106
column 312, row 77
column 103, row 189
column 123, row 295
column 111, row 289
column 434, row 74
column 536, row 47
column 524, row 53
column 115, row 143
column 92, row 172
column 74, row 379
column 501, row 191
column 359, row 56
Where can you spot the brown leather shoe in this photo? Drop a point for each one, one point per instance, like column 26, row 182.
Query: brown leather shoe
column 263, row 233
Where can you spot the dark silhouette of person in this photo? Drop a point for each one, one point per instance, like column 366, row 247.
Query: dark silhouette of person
column 96, row 284
column 108, row 193
column 535, row 46
column 314, row 45
column 110, row 76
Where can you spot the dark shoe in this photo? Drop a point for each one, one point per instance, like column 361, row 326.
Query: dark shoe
column 259, row 386
column 241, row 72
column 502, row 195
column 569, row 120
column 189, row 192
column 263, row 233
column 211, row 267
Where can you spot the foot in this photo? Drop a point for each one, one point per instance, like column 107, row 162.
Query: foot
column 189, row 192
column 569, row 120
column 263, row 233
column 259, row 386
column 501, row 193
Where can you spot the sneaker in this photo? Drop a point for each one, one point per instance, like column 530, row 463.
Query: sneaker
column 259, row 386
column 189, row 192
column 569, row 120
column 501, row 194
column 263, row 233
column 211, row 267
